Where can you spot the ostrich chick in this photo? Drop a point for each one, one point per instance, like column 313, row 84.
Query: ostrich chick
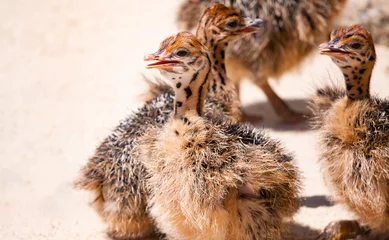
column 115, row 173
column 354, row 133
column 293, row 30
column 208, row 178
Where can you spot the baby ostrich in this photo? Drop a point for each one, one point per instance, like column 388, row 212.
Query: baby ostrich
column 115, row 173
column 354, row 133
column 210, row 179
column 293, row 30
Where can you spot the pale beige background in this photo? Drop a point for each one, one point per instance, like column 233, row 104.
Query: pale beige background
column 69, row 71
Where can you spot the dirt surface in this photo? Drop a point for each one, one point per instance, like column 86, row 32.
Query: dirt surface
column 70, row 70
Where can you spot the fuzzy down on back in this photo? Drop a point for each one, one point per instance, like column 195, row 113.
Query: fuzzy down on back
column 117, row 176
column 210, row 179
column 295, row 28
column 354, row 153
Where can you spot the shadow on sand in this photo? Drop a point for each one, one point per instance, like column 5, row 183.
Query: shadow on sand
column 272, row 121
column 316, row 201
column 296, row 231
column 374, row 236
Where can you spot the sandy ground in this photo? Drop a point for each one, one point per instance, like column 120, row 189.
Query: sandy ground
column 69, row 70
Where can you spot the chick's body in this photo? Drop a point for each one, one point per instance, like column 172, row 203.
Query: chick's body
column 214, row 180
column 355, row 155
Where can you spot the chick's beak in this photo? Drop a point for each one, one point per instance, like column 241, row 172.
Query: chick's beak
column 162, row 63
column 330, row 50
column 252, row 25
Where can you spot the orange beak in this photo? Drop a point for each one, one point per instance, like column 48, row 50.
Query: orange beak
column 165, row 64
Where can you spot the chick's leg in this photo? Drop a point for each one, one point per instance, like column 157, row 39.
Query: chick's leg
column 236, row 71
column 125, row 215
column 127, row 228
column 279, row 106
column 342, row 230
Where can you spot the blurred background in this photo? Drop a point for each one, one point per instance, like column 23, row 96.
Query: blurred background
column 70, row 70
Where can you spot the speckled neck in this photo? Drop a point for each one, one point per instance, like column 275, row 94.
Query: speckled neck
column 190, row 97
column 217, row 51
column 217, row 58
column 357, row 79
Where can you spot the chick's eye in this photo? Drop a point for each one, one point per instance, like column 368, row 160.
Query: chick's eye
column 232, row 24
column 182, row 52
column 356, row 45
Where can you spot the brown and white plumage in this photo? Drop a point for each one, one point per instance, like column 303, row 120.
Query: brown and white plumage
column 293, row 30
column 116, row 175
column 209, row 178
column 354, row 134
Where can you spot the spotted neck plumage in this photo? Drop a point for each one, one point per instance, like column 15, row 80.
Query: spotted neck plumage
column 357, row 78
column 217, row 50
column 190, row 97
column 219, row 72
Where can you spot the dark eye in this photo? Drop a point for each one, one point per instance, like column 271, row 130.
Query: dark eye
column 356, row 45
column 232, row 24
column 182, row 52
